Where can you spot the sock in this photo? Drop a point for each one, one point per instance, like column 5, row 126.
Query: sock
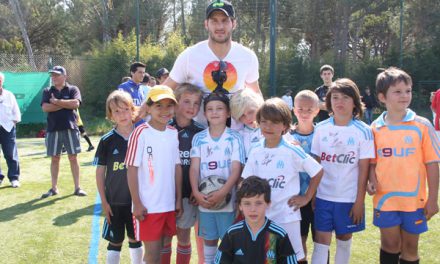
column 165, row 254
column 86, row 137
column 113, row 254
column 388, row 258
column 183, row 254
column 136, row 252
column 402, row 261
column 199, row 243
column 343, row 251
column 320, row 253
column 209, row 253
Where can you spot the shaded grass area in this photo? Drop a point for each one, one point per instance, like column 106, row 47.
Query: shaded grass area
column 94, row 125
column 58, row 229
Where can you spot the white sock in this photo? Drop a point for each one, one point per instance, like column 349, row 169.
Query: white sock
column 320, row 254
column 343, row 251
column 136, row 255
column 209, row 253
column 113, row 256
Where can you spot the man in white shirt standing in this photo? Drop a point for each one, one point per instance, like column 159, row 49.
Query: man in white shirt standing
column 9, row 116
column 217, row 60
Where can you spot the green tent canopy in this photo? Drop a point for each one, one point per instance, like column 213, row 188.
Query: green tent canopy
column 27, row 88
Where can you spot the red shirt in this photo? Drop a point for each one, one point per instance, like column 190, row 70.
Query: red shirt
column 436, row 107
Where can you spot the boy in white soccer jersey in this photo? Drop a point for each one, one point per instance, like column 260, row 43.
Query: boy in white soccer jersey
column 279, row 162
column 244, row 106
column 217, row 150
column 155, row 175
column 344, row 146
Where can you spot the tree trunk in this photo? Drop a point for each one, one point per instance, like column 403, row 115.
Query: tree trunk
column 182, row 11
column 105, row 22
column 19, row 17
column 174, row 16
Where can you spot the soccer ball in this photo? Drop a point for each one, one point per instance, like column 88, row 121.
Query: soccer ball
column 213, row 183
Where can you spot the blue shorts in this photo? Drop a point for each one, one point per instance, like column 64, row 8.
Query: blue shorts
column 331, row 216
column 213, row 226
column 412, row 222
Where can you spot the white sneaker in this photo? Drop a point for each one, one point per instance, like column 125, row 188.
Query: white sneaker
column 15, row 184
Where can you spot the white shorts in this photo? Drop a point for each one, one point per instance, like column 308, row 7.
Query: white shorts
column 293, row 229
column 189, row 216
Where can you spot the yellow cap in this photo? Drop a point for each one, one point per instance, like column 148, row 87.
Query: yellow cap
column 160, row 92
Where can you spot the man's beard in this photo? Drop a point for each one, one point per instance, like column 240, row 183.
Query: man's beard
column 226, row 39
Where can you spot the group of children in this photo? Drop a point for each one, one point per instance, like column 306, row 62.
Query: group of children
column 288, row 178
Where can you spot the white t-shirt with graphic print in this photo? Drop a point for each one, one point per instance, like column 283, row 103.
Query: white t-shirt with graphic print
column 156, row 154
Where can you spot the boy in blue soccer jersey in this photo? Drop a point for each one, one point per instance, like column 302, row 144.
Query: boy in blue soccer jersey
column 306, row 109
column 280, row 162
column 217, row 150
column 111, row 179
column 256, row 239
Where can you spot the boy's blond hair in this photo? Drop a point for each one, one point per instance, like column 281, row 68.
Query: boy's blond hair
column 118, row 98
column 243, row 100
column 307, row 95
column 187, row 88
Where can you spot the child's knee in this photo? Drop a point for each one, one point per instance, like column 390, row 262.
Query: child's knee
column 152, row 257
column 344, row 237
column 391, row 243
column 114, row 246
column 211, row 243
column 410, row 246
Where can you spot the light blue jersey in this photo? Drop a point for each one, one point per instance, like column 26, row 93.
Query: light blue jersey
column 305, row 141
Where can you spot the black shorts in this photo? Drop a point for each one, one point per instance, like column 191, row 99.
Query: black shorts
column 121, row 220
column 307, row 220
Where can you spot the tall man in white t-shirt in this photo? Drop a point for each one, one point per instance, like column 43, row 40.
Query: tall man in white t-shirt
column 218, row 56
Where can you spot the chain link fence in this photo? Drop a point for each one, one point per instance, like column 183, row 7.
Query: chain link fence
column 75, row 65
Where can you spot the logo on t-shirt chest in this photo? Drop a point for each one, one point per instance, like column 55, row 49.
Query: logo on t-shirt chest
column 278, row 182
column 348, row 158
column 185, row 158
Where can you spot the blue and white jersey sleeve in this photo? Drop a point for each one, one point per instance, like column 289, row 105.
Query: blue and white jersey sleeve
column 366, row 146
column 238, row 149
column 309, row 165
column 196, row 144
column 315, row 148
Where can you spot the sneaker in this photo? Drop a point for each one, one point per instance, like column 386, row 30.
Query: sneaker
column 80, row 192
column 63, row 150
column 49, row 193
column 90, row 148
column 15, row 184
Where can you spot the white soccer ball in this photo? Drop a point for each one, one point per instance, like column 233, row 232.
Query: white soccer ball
column 211, row 184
